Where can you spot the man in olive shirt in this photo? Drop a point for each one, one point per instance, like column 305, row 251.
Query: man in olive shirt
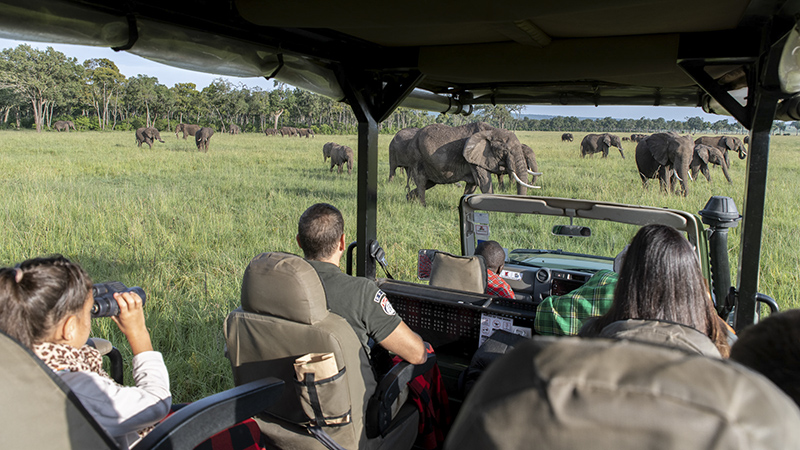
column 320, row 234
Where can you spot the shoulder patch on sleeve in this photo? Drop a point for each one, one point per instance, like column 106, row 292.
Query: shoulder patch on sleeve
column 380, row 298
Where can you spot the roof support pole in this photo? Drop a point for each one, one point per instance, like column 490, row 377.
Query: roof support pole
column 372, row 101
column 765, row 96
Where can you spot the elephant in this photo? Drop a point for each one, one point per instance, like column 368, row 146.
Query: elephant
column 234, row 129
column 468, row 153
column 704, row 155
column 187, row 129
column 567, row 137
column 399, row 155
column 202, row 137
column 533, row 167
column 665, row 155
column 339, row 155
column 638, row 137
column 288, row 131
column 305, row 132
column 270, row 131
column 62, row 125
column 724, row 143
column 147, row 135
column 596, row 143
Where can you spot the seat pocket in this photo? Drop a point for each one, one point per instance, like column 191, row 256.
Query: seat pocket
column 327, row 401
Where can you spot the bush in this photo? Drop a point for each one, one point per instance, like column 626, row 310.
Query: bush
column 163, row 124
column 86, row 123
column 136, row 123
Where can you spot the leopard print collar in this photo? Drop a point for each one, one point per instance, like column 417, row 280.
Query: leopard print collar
column 61, row 357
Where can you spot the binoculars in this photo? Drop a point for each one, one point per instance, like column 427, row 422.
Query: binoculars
column 104, row 303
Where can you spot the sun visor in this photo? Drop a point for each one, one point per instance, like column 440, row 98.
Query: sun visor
column 305, row 74
column 65, row 23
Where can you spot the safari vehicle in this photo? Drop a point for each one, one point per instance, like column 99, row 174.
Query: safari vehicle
column 736, row 57
column 549, row 244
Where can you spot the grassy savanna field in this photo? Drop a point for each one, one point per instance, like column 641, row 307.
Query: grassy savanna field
column 184, row 225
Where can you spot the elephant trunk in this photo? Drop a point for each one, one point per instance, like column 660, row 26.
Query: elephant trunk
column 725, row 171
column 518, row 169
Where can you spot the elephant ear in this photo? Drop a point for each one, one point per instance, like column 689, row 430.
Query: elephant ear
column 702, row 152
column 659, row 147
column 478, row 151
column 607, row 140
column 729, row 143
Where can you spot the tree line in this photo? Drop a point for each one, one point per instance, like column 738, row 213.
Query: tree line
column 39, row 87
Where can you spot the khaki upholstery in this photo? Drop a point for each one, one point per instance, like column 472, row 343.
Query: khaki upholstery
column 38, row 409
column 284, row 316
column 465, row 273
column 577, row 393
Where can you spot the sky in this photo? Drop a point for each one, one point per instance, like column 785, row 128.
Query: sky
column 132, row 65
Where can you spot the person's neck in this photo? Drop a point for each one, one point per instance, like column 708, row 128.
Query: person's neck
column 332, row 259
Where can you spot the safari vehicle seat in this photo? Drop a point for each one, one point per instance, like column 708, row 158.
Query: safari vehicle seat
column 284, row 316
column 465, row 273
column 568, row 393
column 40, row 410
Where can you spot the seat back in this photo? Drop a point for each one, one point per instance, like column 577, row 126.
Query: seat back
column 465, row 273
column 284, row 316
column 38, row 409
column 568, row 393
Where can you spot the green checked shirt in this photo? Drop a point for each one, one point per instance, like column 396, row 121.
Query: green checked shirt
column 563, row 315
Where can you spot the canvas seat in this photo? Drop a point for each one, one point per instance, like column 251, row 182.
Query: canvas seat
column 464, row 273
column 608, row 394
column 40, row 410
column 283, row 316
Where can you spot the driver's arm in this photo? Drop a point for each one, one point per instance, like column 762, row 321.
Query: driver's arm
column 406, row 344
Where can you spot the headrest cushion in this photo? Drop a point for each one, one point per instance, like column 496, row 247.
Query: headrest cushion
column 284, row 285
column 465, row 273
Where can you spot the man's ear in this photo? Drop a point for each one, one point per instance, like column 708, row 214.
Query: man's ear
column 342, row 245
column 297, row 238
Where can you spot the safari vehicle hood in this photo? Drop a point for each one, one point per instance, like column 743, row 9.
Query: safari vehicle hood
column 473, row 204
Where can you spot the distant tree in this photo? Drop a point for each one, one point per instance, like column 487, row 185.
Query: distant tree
column 140, row 95
column 103, row 83
column 39, row 77
column 188, row 102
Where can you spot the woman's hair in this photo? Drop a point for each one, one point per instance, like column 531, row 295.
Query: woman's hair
column 661, row 280
column 37, row 294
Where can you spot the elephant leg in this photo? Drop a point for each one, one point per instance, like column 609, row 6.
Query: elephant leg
column 704, row 170
column 501, row 185
column 470, row 189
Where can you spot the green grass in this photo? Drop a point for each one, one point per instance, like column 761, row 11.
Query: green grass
column 184, row 225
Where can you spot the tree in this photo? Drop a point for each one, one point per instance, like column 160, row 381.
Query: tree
column 103, row 82
column 188, row 101
column 140, row 94
column 37, row 76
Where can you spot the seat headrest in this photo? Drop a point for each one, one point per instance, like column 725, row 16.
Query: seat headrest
column 284, row 285
column 465, row 273
column 568, row 393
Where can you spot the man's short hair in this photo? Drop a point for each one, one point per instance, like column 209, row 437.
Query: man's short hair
column 772, row 348
column 319, row 230
column 492, row 253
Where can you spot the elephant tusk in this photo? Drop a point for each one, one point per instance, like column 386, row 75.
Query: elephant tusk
column 690, row 175
column 524, row 183
column 675, row 174
column 536, row 174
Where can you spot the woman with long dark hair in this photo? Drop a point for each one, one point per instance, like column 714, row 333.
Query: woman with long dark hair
column 661, row 280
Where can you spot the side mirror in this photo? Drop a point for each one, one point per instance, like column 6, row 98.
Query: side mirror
column 572, row 231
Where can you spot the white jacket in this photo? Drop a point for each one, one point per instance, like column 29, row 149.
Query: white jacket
column 123, row 410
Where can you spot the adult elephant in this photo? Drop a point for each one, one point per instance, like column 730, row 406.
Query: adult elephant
column 600, row 143
column 234, row 129
column 147, row 135
column 705, row 155
column 64, row 125
column 530, row 161
column 339, row 155
column 665, row 155
column 469, row 153
column 202, row 137
column 399, row 154
column 724, row 144
column 567, row 137
column 288, row 131
column 186, row 129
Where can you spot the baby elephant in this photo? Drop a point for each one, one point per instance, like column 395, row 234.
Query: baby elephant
column 147, row 135
column 339, row 155
column 202, row 137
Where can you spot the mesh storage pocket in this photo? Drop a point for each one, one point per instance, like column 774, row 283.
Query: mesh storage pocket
column 326, row 401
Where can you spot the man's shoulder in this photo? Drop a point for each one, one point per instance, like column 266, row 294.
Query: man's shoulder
column 331, row 272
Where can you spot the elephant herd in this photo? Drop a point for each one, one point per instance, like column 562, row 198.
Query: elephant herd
column 290, row 131
column 440, row 154
column 669, row 156
column 148, row 135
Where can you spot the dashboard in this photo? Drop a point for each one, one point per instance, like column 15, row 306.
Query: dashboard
column 534, row 284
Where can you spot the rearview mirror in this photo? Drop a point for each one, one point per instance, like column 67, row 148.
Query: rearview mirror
column 572, row 230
